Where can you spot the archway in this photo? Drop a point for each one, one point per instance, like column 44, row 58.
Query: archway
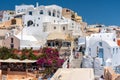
column 54, row 13
column 49, row 13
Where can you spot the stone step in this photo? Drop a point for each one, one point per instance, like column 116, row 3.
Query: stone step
column 75, row 63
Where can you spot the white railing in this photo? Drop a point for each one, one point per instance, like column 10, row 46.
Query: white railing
column 65, row 64
column 70, row 60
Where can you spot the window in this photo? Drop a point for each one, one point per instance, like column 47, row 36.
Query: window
column 54, row 13
column 37, row 24
column 8, row 18
column 49, row 13
column 18, row 11
column 44, row 28
column 54, row 27
column 64, row 28
column 58, row 14
column 22, row 10
column 33, row 24
column 30, row 12
column 2, row 37
column 41, row 11
column 13, row 21
column 89, row 49
column 29, row 23
column 67, row 10
column 100, row 44
column 116, row 50
column 114, row 39
column 12, row 45
column 113, row 50
column 38, row 18
column 12, row 40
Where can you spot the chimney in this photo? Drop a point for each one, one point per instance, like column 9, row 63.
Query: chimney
column 37, row 4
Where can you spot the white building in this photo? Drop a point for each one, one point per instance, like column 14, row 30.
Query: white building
column 96, row 26
column 6, row 15
column 20, row 9
column 102, row 45
column 47, row 18
column 41, row 20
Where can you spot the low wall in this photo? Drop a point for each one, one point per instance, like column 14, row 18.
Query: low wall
column 110, row 74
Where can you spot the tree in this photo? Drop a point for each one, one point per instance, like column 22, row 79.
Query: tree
column 5, row 53
column 31, row 56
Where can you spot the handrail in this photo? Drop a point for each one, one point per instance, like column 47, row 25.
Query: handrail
column 70, row 60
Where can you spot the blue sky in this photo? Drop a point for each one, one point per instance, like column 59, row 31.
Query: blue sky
column 93, row 11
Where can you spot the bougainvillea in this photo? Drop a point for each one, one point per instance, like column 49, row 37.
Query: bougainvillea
column 50, row 57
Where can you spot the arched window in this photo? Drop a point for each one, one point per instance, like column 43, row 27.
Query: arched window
column 58, row 14
column 30, row 22
column 54, row 13
column 13, row 21
column 49, row 13
column 41, row 11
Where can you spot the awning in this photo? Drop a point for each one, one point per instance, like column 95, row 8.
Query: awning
column 10, row 60
column 57, row 35
column 28, row 61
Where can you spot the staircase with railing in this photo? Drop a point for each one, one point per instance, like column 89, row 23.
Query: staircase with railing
column 72, row 61
column 68, row 60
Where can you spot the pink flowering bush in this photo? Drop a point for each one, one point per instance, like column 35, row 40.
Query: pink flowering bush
column 50, row 59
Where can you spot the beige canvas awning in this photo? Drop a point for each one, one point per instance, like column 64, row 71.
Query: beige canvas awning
column 57, row 35
column 93, row 29
column 10, row 60
column 28, row 61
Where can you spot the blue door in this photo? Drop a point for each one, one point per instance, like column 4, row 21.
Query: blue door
column 101, row 54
